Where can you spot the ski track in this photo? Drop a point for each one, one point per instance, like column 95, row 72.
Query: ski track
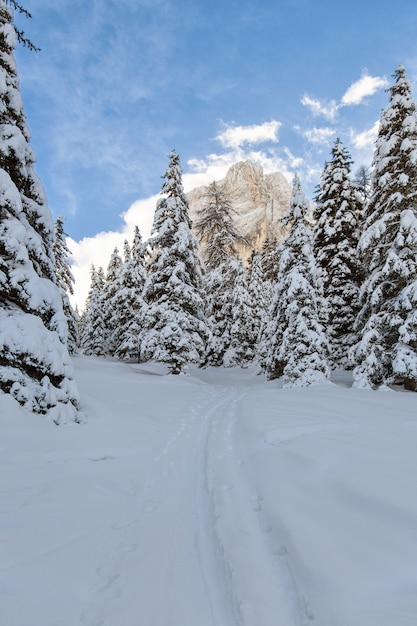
column 213, row 533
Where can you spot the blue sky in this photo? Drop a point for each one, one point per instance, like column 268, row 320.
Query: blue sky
column 119, row 83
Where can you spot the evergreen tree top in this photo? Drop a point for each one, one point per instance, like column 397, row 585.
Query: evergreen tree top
column 299, row 205
column 172, row 187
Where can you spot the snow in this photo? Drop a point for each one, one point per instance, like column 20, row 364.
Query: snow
column 211, row 499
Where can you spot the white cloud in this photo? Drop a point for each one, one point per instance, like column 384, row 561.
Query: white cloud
column 236, row 136
column 355, row 94
column 366, row 139
column 365, row 86
column 319, row 108
column 97, row 250
column 319, row 135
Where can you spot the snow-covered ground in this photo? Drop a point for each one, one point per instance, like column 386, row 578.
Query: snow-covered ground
column 214, row 499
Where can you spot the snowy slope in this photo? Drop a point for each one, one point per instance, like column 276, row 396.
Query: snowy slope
column 214, row 499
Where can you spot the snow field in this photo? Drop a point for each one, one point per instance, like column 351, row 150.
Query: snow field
column 213, row 499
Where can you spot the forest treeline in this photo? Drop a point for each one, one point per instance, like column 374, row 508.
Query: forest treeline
column 338, row 291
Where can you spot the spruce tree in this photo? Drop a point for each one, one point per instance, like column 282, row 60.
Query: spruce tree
column 111, row 298
column 258, row 298
column 175, row 328
column 336, row 233
column 387, row 350
column 219, row 287
column 35, row 367
column 241, row 351
column 65, row 281
column 129, row 308
column 363, row 183
column 93, row 338
column 220, row 240
column 215, row 228
column 297, row 346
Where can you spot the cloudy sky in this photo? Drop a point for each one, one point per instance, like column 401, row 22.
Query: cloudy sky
column 119, row 83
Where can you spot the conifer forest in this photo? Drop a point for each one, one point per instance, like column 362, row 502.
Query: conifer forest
column 339, row 290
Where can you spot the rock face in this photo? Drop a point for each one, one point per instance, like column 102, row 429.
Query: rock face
column 260, row 201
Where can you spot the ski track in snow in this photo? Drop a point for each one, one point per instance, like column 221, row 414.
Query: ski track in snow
column 209, row 500
column 207, row 536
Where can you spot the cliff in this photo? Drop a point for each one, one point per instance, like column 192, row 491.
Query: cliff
column 260, row 201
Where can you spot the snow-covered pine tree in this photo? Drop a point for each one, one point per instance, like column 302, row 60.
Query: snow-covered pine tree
column 111, row 299
column 65, row 281
column 175, row 327
column 93, row 339
column 219, row 285
column 338, row 217
column 130, row 305
column 270, row 259
column 297, row 343
column 241, row 351
column 270, row 266
column 35, row 367
column 258, row 295
column 387, row 350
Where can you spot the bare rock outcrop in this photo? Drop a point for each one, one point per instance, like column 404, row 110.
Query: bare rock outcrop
column 259, row 201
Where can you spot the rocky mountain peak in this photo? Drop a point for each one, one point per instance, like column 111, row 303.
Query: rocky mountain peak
column 259, row 200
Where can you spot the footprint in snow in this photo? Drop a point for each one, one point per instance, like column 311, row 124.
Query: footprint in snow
column 256, row 503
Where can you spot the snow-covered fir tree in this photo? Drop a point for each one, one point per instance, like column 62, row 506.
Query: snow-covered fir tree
column 241, row 350
column 175, row 327
column 65, row 281
column 111, row 300
column 387, row 350
column 35, row 367
column 258, row 297
column 338, row 218
column 296, row 343
column 270, row 259
column 219, row 285
column 93, row 336
column 129, row 309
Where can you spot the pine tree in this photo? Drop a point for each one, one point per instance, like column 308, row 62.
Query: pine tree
column 258, row 295
column 387, row 351
column 93, row 339
column 336, row 233
column 112, row 287
column 35, row 367
column 220, row 241
column 175, row 328
column 270, row 260
column 129, row 308
column 215, row 228
column 297, row 344
column 363, row 183
column 65, row 281
column 241, row 351
column 219, row 287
